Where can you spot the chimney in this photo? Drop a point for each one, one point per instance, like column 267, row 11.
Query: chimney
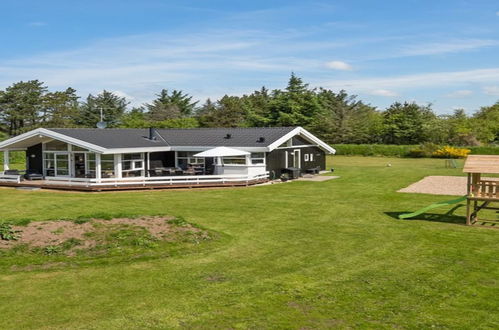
column 228, row 136
column 152, row 134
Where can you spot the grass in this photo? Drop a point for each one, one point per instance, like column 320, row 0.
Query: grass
column 301, row 254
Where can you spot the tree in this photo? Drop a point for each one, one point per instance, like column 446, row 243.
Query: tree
column 406, row 123
column 113, row 107
column 258, row 108
column 343, row 119
column 229, row 111
column 485, row 123
column 170, row 106
column 296, row 106
column 21, row 106
column 60, row 109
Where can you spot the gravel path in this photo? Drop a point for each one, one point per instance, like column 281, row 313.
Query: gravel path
column 440, row 185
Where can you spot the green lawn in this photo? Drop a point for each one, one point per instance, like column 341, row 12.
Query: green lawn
column 294, row 255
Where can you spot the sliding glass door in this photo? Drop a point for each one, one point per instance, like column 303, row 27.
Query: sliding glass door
column 56, row 163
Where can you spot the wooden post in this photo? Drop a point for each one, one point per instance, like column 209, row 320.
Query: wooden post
column 6, row 158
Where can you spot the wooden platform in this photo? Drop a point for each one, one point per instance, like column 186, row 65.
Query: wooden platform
column 110, row 187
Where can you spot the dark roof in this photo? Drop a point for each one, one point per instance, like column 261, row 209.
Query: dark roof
column 112, row 138
column 203, row 137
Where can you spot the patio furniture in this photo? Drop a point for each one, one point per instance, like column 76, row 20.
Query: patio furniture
column 11, row 172
column 33, row 175
column 314, row 170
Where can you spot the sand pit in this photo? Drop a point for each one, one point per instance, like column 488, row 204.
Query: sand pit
column 440, row 185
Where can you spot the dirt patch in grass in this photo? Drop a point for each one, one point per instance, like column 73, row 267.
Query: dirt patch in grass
column 67, row 237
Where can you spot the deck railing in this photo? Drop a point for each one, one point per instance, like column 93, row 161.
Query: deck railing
column 486, row 189
column 157, row 180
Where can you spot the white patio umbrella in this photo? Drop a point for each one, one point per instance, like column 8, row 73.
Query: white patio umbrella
column 222, row 152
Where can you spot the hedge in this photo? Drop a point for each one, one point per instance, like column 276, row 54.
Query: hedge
column 385, row 150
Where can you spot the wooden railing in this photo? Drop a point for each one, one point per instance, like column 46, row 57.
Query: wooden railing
column 488, row 189
column 157, row 180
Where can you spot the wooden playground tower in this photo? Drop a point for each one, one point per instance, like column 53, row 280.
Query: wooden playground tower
column 481, row 192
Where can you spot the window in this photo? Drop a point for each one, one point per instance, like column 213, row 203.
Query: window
column 257, row 158
column 234, row 160
column 132, row 164
column 49, row 163
column 305, row 157
column 56, row 164
column 311, row 157
column 90, row 165
column 184, row 159
column 76, row 148
column 107, row 166
column 56, row 146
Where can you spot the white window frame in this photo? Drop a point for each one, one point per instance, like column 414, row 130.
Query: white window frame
column 190, row 159
column 224, row 160
column 311, row 157
column 305, row 157
column 133, row 167
column 259, row 158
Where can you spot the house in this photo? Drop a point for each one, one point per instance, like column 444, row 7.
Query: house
column 99, row 159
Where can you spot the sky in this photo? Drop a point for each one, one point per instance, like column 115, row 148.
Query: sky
column 443, row 52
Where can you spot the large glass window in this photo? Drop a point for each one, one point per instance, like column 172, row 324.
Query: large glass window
column 258, row 158
column 184, row 159
column 56, row 146
column 132, row 164
column 90, row 166
column 56, row 164
column 107, row 166
column 49, row 163
column 234, row 160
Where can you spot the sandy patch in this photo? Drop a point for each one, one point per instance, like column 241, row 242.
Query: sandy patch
column 52, row 233
column 440, row 185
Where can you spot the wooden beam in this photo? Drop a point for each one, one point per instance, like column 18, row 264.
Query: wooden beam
column 6, row 160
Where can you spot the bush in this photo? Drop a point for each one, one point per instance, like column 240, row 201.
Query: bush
column 451, row 152
column 413, row 151
column 7, row 233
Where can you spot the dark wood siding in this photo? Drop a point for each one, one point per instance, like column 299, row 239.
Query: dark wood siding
column 34, row 159
column 318, row 160
column 276, row 160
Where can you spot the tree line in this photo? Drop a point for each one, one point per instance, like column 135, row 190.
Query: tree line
column 336, row 117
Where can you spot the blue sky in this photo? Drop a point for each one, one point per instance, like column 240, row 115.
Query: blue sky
column 443, row 52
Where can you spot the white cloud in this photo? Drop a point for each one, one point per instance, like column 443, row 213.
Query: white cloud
column 460, row 93
column 454, row 46
column 497, row 13
column 339, row 65
column 423, row 80
column 123, row 94
column 491, row 90
column 383, row 92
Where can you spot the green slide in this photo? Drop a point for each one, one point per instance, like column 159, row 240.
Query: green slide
column 432, row 206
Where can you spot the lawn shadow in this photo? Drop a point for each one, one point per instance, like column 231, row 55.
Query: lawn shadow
column 448, row 217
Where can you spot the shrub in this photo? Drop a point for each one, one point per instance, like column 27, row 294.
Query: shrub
column 52, row 249
column 451, row 152
column 7, row 233
column 416, row 153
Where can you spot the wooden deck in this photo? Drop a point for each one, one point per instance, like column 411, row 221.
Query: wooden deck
column 43, row 184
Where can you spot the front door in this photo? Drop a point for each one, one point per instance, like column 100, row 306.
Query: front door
column 79, row 165
column 297, row 158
